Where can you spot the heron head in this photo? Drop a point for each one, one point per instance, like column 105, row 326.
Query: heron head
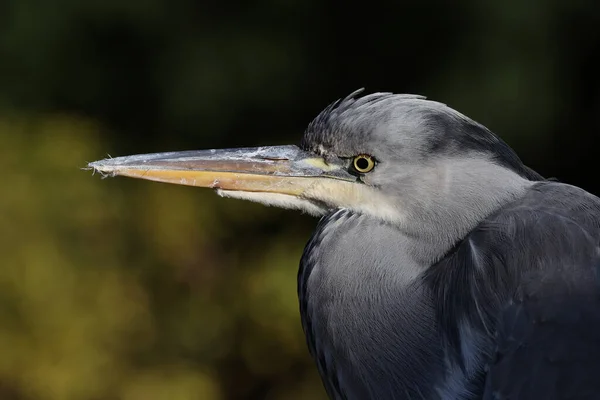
column 379, row 154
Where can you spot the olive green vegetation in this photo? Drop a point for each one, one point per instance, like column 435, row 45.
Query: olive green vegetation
column 126, row 289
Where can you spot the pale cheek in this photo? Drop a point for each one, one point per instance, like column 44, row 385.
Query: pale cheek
column 335, row 193
column 359, row 197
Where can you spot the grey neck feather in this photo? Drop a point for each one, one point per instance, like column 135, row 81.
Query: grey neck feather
column 449, row 199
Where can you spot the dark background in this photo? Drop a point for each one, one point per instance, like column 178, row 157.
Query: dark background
column 125, row 289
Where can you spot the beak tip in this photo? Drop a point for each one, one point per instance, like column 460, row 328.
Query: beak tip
column 102, row 168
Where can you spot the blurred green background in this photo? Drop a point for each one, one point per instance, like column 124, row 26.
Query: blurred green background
column 126, row 289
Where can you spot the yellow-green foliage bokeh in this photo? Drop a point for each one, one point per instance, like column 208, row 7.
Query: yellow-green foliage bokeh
column 123, row 289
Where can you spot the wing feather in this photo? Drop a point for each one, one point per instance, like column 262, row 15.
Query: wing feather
column 533, row 294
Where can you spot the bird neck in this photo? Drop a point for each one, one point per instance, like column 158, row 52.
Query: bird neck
column 356, row 291
column 451, row 199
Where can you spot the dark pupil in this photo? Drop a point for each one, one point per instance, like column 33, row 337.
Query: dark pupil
column 362, row 163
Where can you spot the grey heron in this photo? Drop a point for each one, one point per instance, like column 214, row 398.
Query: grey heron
column 441, row 268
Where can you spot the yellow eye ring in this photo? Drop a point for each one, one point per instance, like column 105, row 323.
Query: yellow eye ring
column 363, row 163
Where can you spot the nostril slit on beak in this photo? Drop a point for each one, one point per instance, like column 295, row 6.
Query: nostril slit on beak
column 275, row 159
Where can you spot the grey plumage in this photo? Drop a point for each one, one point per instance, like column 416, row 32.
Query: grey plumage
column 508, row 310
column 449, row 270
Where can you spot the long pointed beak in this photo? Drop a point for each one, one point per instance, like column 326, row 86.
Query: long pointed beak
column 277, row 169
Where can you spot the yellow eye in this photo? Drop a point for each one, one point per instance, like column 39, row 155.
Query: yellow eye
column 363, row 163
